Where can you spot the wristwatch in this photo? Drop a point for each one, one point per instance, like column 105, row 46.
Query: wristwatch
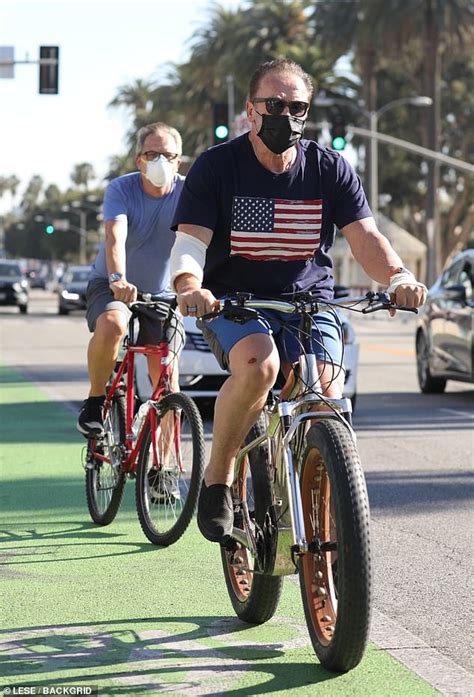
column 115, row 276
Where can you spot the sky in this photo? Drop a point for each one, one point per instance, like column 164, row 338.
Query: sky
column 103, row 44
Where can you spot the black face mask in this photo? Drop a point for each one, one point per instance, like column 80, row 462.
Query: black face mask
column 280, row 132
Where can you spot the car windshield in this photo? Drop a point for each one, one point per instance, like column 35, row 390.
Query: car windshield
column 9, row 270
column 77, row 276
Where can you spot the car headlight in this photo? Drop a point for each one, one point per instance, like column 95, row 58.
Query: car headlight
column 70, row 296
column 17, row 287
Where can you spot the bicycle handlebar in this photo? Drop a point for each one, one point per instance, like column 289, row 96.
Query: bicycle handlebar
column 244, row 307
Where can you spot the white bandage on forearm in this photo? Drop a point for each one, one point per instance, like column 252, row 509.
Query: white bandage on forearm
column 187, row 256
column 401, row 279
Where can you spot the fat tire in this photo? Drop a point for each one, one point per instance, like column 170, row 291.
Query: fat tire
column 428, row 384
column 106, row 517
column 173, row 401
column 264, row 595
column 330, row 444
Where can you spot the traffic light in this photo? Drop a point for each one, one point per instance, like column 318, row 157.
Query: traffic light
column 49, row 69
column 338, row 130
column 220, row 122
column 49, row 229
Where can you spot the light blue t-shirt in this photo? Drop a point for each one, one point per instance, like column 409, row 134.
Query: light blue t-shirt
column 149, row 235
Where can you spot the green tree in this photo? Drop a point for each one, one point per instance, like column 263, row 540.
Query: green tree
column 380, row 36
column 82, row 174
column 229, row 42
column 32, row 193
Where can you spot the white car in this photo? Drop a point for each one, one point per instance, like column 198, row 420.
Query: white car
column 201, row 377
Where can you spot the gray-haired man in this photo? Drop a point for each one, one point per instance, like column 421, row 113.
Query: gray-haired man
column 138, row 211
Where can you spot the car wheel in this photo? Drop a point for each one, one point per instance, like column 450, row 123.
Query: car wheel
column 23, row 309
column 428, row 384
column 62, row 311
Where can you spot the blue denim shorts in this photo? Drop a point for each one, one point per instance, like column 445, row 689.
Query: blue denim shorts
column 222, row 334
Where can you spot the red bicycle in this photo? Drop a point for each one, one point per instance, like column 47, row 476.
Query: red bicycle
column 160, row 444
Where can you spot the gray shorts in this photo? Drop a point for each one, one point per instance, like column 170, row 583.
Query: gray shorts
column 154, row 326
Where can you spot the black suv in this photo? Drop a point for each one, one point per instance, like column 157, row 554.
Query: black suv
column 13, row 285
column 445, row 331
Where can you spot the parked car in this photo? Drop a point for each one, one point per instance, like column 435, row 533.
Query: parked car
column 201, row 377
column 13, row 285
column 72, row 289
column 37, row 278
column 445, row 328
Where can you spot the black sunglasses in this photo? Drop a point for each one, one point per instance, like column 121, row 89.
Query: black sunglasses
column 151, row 155
column 275, row 106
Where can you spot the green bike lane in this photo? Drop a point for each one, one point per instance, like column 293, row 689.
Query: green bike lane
column 83, row 605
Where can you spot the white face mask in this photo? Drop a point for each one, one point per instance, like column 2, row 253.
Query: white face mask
column 159, row 172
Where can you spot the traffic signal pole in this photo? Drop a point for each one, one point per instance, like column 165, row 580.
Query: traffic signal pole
column 48, row 66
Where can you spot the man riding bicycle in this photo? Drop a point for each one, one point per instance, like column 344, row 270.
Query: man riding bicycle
column 257, row 214
column 138, row 211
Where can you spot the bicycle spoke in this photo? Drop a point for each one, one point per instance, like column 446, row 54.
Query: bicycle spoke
column 104, row 477
column 170, row 469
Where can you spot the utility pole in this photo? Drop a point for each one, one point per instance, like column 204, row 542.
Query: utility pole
column 231, row 102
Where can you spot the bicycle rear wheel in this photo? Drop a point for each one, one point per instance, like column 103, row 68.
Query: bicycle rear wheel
column 254, row 596
column 169, row 474
column 105, row 479
column 335, row 575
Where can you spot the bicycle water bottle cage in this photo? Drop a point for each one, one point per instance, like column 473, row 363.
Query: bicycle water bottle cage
column 238, row 314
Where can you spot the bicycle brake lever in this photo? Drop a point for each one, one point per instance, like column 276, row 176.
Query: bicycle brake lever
column 376, row 306
column 404, row 308
column 387, row 306
column 210, row 315
column 240, row 315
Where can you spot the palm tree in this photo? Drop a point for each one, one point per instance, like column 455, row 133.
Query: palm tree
column 374, row 31
column 32, row 194
column 82, row 174
column 137, row 98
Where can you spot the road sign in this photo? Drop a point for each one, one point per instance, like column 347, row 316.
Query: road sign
column 7, row 61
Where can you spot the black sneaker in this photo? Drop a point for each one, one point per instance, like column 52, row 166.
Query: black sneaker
column 215, row 516
column 164, row 486
column 90, row 422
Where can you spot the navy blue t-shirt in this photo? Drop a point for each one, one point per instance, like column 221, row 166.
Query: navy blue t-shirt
column 272, row 232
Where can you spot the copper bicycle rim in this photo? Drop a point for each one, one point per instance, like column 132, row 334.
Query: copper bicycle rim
column 239, row 561
column 318, row 569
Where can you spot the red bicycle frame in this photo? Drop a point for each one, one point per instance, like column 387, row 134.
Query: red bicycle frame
column 132, row 445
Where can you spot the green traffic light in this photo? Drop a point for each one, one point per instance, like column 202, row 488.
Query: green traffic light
column 221, row 132
column 49, row 229
column 338, row 143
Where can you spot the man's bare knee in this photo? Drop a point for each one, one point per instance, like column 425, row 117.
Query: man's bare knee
column 110, row 326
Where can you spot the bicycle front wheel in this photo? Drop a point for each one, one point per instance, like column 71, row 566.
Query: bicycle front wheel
column 170, row 470
column 335, row 575
column 105, row 479
column 254, row 596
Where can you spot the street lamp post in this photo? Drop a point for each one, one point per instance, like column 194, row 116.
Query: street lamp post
column 374, row 150
column 373, row 119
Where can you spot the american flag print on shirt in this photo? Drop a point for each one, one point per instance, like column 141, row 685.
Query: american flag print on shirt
column 265, row 229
